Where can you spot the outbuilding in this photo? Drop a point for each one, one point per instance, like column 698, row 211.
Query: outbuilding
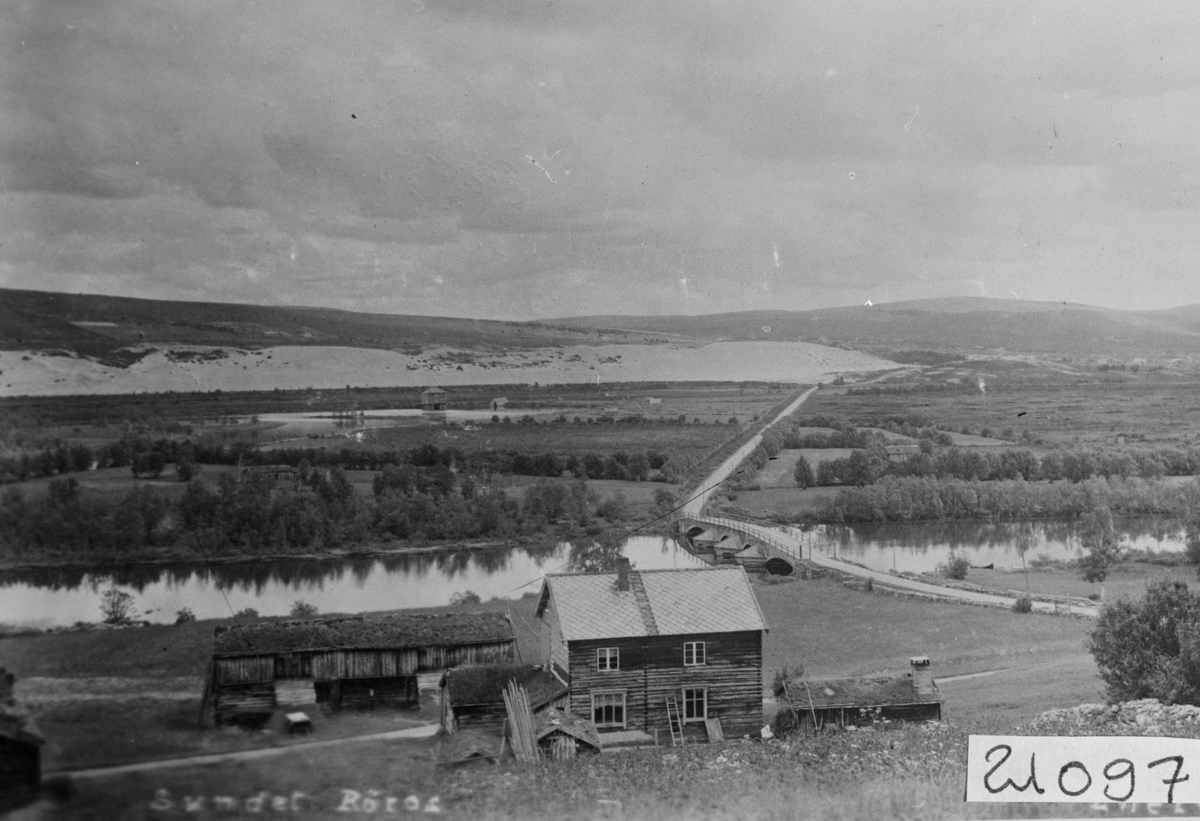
column 433, row 399
column 473, row 697
column 348, row 661
column 853, row 702
column 20, row 749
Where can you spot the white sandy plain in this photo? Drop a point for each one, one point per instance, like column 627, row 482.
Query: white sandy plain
column 30, row 373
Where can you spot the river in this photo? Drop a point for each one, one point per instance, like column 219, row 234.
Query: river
column 57, row 597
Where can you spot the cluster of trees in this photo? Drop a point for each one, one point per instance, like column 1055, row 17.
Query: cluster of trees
column 148, row 458
column 250, row 514
column 913, row 499
column 1150, row 648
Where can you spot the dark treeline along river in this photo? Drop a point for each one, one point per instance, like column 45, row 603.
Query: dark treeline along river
column 62, row 596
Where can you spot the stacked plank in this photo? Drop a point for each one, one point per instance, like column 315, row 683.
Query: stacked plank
column 520, row 723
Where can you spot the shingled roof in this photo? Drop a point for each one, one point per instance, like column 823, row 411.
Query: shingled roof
column 883, row 691
column 363, row 632
column 676, row 602
column 485, row 684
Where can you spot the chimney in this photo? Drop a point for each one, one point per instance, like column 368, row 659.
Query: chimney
column 623, row 574
column 922, row 675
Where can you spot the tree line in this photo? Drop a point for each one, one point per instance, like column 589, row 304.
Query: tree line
column 254, row 514
column 149, row 457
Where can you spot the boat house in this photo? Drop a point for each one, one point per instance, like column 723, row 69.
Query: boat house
column 350, row 661
column 675, row 652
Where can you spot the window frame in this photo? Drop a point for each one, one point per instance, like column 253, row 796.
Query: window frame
column 693, row 646
column 703, row 701
column 623, row 705
column 611, row 657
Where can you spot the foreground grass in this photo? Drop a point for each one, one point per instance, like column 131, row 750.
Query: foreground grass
column 903, row 772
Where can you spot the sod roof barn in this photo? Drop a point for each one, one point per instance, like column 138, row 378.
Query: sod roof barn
column 350, row 661
column 659, row 651
column 911, row 696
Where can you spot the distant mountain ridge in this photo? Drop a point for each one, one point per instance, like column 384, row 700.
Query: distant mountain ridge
column 956, row 323
column 96, row 326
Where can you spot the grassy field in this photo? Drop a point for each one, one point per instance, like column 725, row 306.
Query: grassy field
column 1058, row 408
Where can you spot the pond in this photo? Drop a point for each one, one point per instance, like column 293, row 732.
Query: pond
column 919, row 547
column 57, row 597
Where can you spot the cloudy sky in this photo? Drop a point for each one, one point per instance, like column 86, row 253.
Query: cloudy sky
column 515, row 160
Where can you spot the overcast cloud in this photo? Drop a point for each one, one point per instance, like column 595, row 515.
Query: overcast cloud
column 535, row 159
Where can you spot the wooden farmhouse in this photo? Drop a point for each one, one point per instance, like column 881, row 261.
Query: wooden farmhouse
column 20, row 749
column 634, row 645
column 473, row 697
column 911, row 696
column 354, row 661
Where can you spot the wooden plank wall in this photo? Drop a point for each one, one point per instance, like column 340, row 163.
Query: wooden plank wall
column 652, row 668
column 243, row 669
column 233, row 700
column 368, row 693
column 557, row 649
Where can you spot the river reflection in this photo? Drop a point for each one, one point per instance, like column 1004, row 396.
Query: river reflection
column 918, row 547
column 61, row 596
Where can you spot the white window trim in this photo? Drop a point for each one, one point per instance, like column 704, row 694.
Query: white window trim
column 695, row 644
column 624, row 708
column 613, row 656
column 683, row 705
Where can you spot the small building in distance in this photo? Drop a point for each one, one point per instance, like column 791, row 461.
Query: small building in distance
column 910, row 696
column 20, row 749
column 473, row 697
column 346, row 661
column 564, row 735
column 659, row 651
column 433, row 399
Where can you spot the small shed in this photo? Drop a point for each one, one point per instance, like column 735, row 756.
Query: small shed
column 20, row 749
column 911, row 696
column 560, row 734
column 499, row 402
column 433, row 399
column 347, row 661
column 473, row 697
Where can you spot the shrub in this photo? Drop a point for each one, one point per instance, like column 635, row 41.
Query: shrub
column 1150, row 648
column 870, row 585
column 117, row 607
column 465, row 597
column 303, row 610
column 1024, row 604
column 183, row 615
column 248, row 613
column 957, row 567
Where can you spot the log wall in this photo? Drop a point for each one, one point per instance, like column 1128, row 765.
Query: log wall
column 651, row 668
column 20, row 770
column 232, row 701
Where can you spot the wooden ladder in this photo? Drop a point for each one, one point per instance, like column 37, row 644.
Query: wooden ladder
column 675, row 722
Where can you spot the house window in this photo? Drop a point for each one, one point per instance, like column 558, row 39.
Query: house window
column 693, row 653
column 608, row 658
column 695, row 704
column 608, row 709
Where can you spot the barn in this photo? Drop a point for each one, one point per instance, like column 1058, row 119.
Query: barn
column 851, row 702
column 348, row 661
column 20, row 749
column 473, row 697
column 671, row 652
